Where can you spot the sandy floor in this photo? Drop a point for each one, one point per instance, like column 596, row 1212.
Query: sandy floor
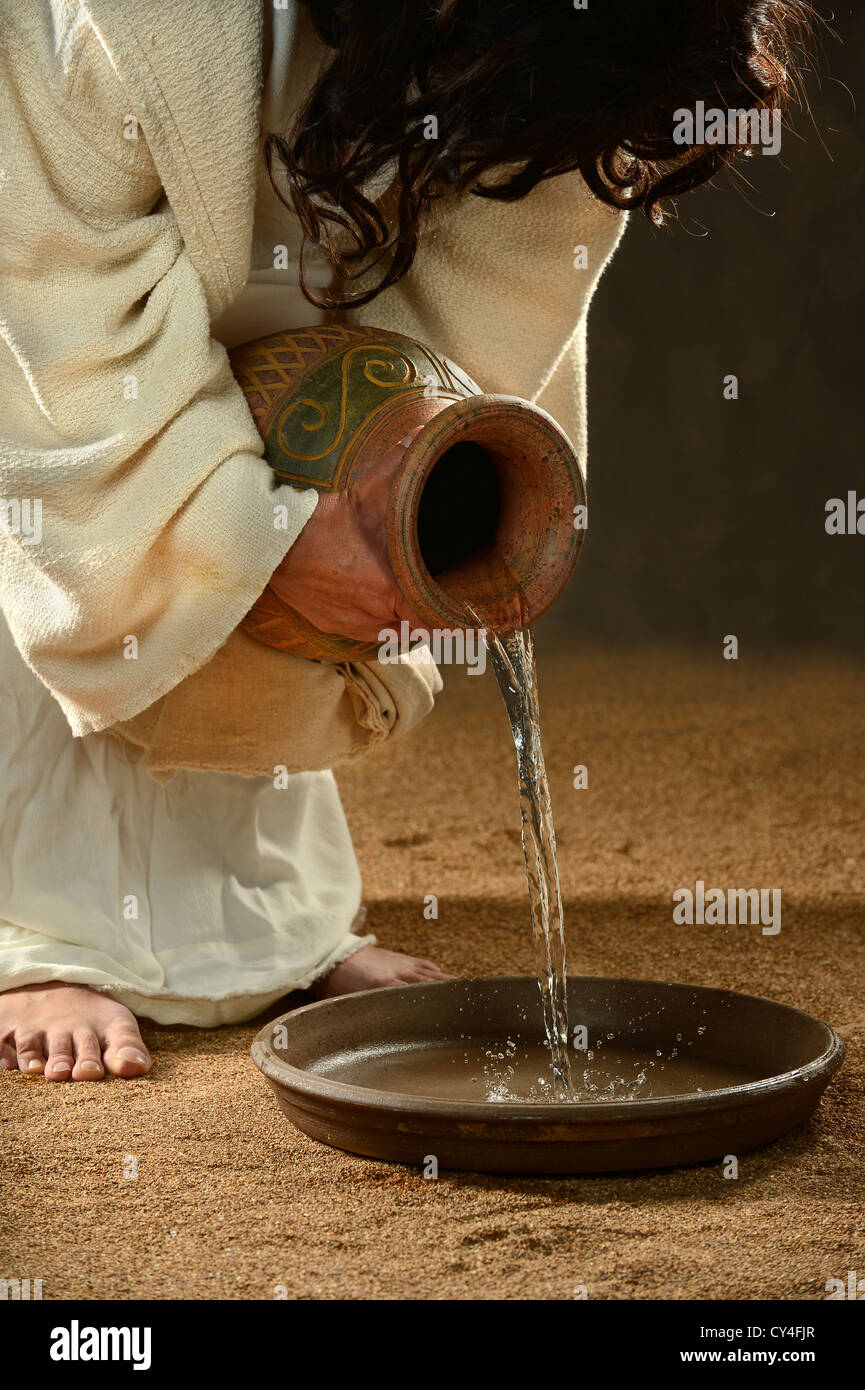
column 698, row 768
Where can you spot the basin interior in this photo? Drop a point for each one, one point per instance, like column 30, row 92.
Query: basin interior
column 482, row 1041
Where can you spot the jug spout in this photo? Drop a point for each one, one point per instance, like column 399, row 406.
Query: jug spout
column 481, row 516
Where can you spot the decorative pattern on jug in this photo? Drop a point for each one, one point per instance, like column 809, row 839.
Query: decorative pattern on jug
column 317, row 393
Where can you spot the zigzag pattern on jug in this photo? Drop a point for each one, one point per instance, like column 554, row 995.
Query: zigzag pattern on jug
column 265, row 368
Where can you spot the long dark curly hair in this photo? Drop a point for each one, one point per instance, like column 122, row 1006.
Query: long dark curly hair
column 529, row 88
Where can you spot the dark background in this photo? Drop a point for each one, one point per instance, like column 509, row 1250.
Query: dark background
column 707, row 516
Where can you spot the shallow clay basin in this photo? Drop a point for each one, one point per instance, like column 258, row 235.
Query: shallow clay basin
column 672, row 1074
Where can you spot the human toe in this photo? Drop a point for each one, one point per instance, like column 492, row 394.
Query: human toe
column 88, row 1056
column 61, row 1057
column 30, row 1052
column 124, row 1053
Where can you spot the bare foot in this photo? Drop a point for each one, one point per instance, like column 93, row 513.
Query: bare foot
column 69, row 1032
column 373, row 968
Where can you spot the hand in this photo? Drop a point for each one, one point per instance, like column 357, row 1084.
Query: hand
column 337, row 574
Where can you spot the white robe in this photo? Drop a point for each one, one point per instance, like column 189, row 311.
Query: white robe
column 205, row 900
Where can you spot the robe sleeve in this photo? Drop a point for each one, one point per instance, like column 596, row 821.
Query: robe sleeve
column 138, row 519
column 504, row 288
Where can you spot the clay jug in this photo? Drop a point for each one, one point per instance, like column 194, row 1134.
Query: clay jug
column 481, row 510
